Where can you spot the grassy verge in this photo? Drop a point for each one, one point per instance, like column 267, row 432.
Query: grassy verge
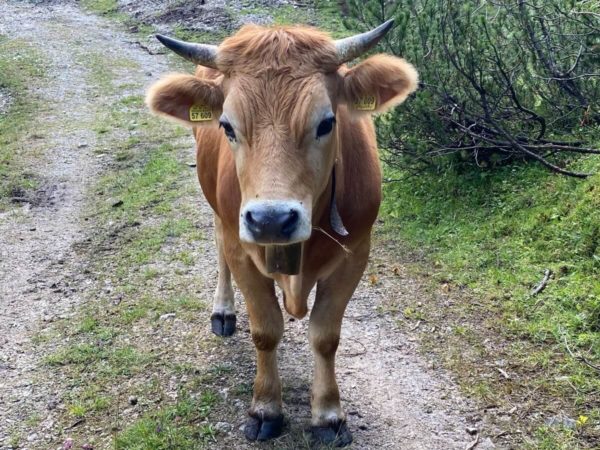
column 20, row 69
column 324, row 14
column 485, row 240
column 109, row 8
column 111, row 360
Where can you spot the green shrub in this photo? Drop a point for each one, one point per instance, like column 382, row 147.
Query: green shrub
column 499, row 80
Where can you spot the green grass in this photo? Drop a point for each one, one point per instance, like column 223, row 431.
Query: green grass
column 145, row 186
column 325, row 14
column 283, row 15
column 104, row 7
column 109, row 359
column 20, row 70
column 498, row 232
column 173, row 427
column 329, row 18
column 495, row 233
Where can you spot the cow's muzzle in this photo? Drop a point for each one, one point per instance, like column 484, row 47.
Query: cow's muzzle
column 274, row 222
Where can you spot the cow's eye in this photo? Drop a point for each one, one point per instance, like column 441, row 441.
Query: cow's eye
column 325, row 127
column 228, row 129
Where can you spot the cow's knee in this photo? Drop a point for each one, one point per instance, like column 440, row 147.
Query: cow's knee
column 324, row 343
column 265, row 341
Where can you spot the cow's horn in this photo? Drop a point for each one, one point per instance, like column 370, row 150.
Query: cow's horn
column 352, row 47
column 202, row 54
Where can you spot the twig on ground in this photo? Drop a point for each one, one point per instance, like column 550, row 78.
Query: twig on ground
column 579, row 357
column 20, row 200
column 503, row 373
column 473, row 444
column 146, row 48
column 74, row 424
column 542, row 285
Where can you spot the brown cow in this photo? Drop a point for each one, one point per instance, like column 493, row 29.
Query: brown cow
column 287, row 159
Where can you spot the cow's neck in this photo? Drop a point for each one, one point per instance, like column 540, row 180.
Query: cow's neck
column 322, row 209
column 295, row 299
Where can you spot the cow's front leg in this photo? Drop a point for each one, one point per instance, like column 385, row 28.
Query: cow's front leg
column 328, row 418
column 223, row 318
column 266, row 326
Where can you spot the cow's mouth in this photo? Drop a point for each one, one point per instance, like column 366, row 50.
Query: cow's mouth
column 284, row 259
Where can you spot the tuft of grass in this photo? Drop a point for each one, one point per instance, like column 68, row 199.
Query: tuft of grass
column 104, row 7
column 14, row 439
column 78, row 411
column 548, row 438
column 175, row 426
column 33, row 420
column 20, row 69
column 324, row 14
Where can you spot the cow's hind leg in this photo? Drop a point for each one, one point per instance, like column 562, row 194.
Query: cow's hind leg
column 328, row 418
column 223, row 317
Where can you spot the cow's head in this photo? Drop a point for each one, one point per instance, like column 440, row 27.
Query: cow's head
column 275, row 95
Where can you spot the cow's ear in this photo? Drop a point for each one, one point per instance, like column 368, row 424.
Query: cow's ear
column 186, row 99
column 378, row 83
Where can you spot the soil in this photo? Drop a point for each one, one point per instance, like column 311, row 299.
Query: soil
column 5, row 101
column 202, row 16
column 394, row 397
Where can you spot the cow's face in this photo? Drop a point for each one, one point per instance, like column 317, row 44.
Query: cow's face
column 282, row 133
column 275, row 94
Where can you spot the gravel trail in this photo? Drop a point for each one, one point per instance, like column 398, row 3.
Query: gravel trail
column 42, row 271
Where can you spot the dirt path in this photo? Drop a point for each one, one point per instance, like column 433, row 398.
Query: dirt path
column 394, row 398
column 36, row 239
column 42, row 275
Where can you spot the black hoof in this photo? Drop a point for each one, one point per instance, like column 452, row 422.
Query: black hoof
column 223, row 324
column 336, row 434
column 261, row 430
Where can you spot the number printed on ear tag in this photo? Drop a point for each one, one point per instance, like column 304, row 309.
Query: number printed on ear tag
column 200, row 113
column 366, row 103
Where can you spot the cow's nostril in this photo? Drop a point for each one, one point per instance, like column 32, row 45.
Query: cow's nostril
column 254, row 222
column 290, row 223
column 249, row 218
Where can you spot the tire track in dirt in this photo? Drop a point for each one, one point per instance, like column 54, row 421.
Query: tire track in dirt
column 393, row 397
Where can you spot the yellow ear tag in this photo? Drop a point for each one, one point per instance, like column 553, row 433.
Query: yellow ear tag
column 200, row 113
column 366, row 103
